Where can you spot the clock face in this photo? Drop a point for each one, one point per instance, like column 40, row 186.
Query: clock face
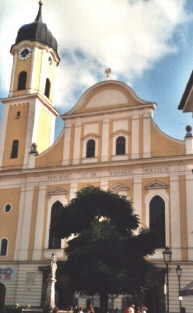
column 24, row 53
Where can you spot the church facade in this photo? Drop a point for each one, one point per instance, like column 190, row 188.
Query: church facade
column 109, row 141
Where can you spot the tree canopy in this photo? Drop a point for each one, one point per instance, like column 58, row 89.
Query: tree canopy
column 107, row 253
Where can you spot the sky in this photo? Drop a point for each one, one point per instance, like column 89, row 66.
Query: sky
column 148, row 44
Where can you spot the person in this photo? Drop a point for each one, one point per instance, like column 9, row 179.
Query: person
column 143, row 308
column 132, row 308
column 80, row 309
column 91, row 309
column 138, row 309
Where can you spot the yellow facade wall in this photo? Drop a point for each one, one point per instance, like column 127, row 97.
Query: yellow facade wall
column 44, row 129
column 167, row 146
column 16, row 130
column 9, row 221
column 53, row 156
column 22, row 65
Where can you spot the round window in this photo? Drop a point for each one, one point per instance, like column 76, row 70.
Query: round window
column 7, row 208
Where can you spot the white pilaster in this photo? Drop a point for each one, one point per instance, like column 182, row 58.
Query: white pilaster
column 13, row 74
column 147, row 135
column 3, row 132
column 76, row 156
column 73, row 190
column 189, row 145
column 189, row 203
column 26, row 223
column 137, row 195
column 20, row 223
column 175, row 218
column 105, row 140
column 33, row 72
column 32, row 125
column 67, row 141
column 39, row 224
column 135, row 137
column 104, row 185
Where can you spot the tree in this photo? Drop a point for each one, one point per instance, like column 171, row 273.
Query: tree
column 106, row 254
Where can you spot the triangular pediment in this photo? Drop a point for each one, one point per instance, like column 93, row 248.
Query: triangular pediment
column 58, row 191
column 119, row 187
column 156, row 185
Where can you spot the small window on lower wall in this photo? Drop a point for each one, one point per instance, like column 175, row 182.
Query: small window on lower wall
column 7, row 208
column 3, row 247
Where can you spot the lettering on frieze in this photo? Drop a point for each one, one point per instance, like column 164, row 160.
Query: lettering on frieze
column 153, row 170
column 88, row 175
column 58, row 177
column 120, row 172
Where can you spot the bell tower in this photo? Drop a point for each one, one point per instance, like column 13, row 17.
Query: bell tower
column 28, row 114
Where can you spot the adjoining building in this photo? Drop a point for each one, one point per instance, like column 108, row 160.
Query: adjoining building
column 109, row 140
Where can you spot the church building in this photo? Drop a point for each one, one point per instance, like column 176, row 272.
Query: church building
column 109, row 140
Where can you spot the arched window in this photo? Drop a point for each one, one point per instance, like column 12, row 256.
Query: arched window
column 120, row 145
column 3, row 247
column 15, row 147
column 47, row 88
column 54, row 240
column 22, row 80
column 157, row 219
column 90, row 148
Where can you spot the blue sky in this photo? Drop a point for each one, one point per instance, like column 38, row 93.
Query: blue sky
column 148, row 44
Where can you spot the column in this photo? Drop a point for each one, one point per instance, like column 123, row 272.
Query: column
column 137, row 195
column 3, row 132
column 76, row 155
column 147, row 135
column 175, row 218
column 189, row 212
column 39, row 224
column 26, row 225
column 135, row 137
column 20, row 223
column 67, row 142
column 73, row 190
column 105, row 140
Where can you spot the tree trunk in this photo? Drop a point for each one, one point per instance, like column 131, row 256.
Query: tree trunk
column 104, row 302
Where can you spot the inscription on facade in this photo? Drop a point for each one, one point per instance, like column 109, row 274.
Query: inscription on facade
column 156, row 170
column 120, row 172
column 88, row 175
column 58, row 177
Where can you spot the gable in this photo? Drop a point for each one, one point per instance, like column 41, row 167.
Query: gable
column 108, row 95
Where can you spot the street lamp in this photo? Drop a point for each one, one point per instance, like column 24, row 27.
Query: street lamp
column 167, row 254
column 179, row 272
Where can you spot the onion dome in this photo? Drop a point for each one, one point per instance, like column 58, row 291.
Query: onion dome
column 37, row 31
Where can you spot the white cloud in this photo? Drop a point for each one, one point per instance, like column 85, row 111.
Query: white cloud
column 128, row 36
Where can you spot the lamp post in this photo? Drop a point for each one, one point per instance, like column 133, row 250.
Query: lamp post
column 167, row 254
column 179, row 272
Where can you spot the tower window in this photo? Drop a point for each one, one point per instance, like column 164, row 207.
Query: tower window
column 22, row 80
column 120, row 145
column 47, row 88
column 157, row 219
column 3, row 247
column 90, row 148
column 14, row 151
column 54, row 240
column 18, row 114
